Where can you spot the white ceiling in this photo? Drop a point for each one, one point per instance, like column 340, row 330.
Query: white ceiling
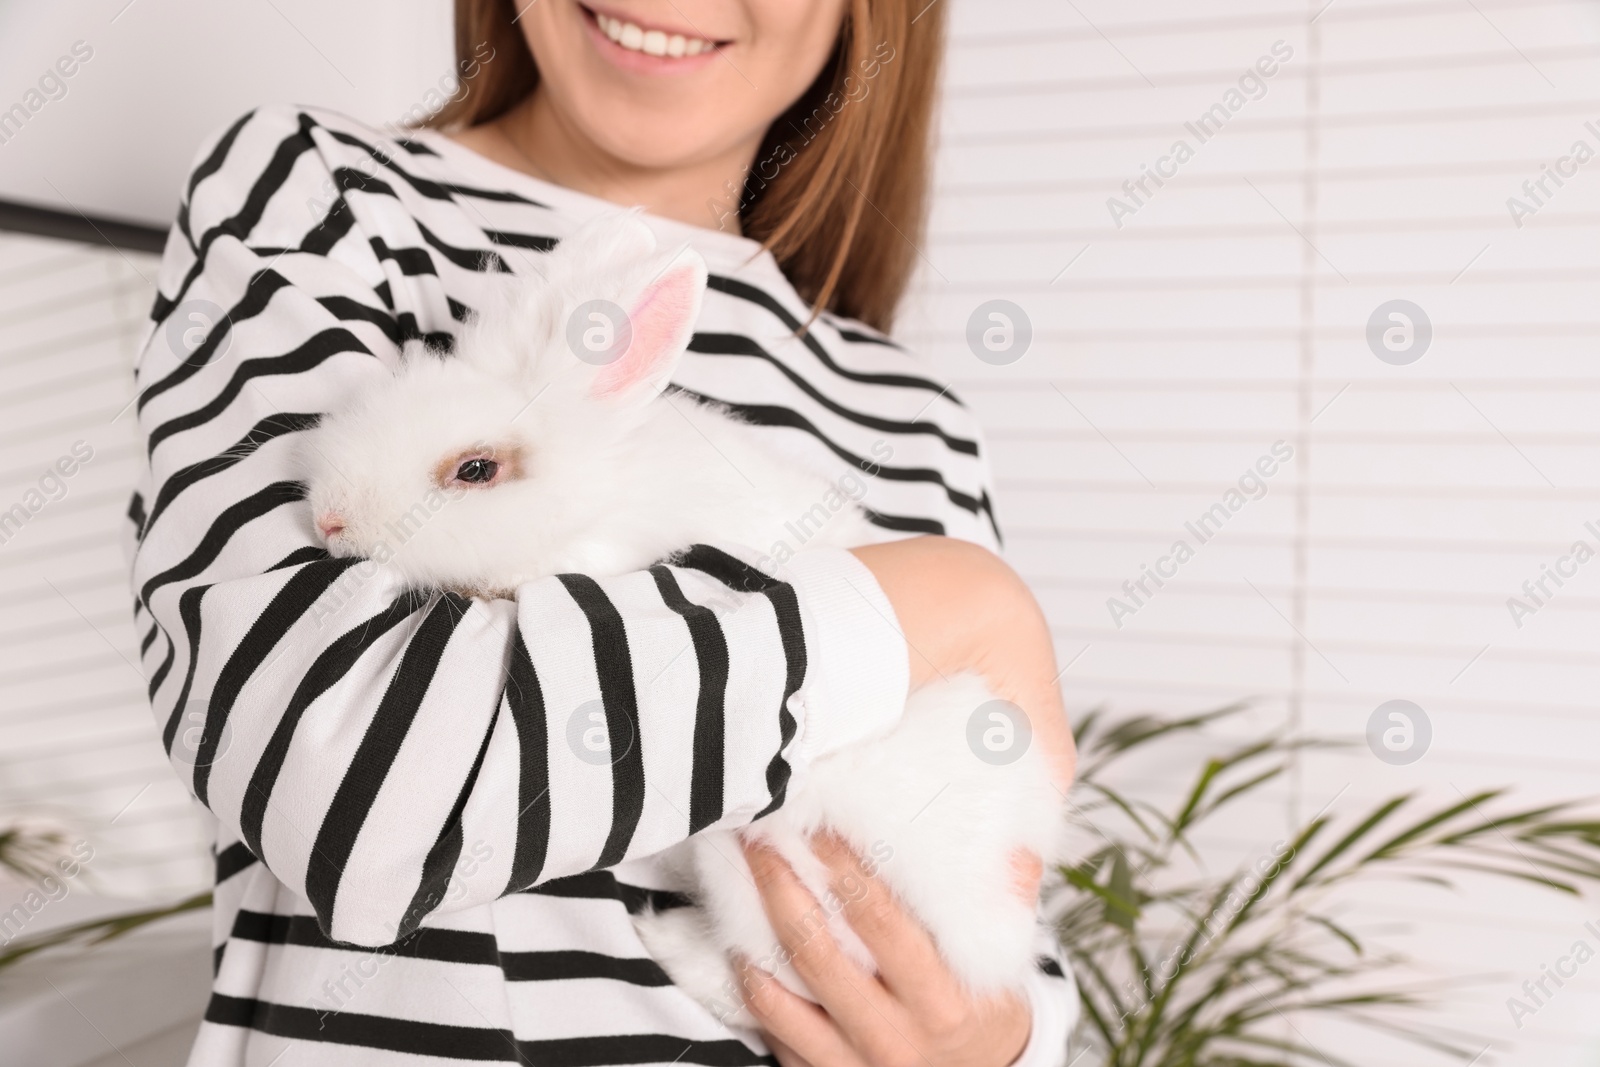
column 165, row 73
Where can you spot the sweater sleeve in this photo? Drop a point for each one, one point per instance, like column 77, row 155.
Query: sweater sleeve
column 1053, row 1003
column 360, row 738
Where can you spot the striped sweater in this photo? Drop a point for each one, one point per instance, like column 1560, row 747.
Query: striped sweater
column 417, row 858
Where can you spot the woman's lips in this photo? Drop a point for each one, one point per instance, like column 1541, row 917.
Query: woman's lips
column 647, row 49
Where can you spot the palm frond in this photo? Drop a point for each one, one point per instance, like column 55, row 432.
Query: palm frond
column 97, row 931
column 1178, row 969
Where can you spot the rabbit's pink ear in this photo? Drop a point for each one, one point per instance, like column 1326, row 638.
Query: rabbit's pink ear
column 660, row 323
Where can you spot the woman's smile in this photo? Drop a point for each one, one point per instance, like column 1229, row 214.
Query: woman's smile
column 648, row 47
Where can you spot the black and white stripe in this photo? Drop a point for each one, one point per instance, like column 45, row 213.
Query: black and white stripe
column 388, row 770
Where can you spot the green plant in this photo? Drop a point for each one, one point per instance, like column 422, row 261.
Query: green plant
column 1178, row 968
column 96, row 931
column 30, row 850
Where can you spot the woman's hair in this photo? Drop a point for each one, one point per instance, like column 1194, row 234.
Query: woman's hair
column 839, row 188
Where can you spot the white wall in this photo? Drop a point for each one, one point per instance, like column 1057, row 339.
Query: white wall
column 164, row 73
column 1230, row 312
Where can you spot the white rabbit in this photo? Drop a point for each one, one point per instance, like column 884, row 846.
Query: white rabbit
column 528, row 454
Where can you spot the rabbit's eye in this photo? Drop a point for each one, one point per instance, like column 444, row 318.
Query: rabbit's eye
column 477, row 471
column 480, row 465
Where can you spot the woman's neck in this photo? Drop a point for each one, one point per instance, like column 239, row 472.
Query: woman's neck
column 533, row 137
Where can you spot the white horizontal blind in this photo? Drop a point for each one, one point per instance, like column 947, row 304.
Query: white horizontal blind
column 1178, row 336
column 77, row 743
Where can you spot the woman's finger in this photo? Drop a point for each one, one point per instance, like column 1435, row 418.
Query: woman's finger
column 858, row 1003
column 786, row 1056
column 1027, row 871
column 909, row 963
column 791, row 1023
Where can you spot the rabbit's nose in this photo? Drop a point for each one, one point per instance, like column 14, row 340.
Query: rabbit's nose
column 331, row 525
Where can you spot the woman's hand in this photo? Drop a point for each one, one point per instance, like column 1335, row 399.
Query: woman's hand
column 961, row 609
column 913, row 1013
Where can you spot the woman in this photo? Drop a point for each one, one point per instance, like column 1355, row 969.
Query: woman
column 411, row 864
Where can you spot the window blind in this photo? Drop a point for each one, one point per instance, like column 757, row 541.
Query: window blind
column 76, row 741
column 1202, row 212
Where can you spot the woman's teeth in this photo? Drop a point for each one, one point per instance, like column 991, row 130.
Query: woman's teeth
column 651, row 42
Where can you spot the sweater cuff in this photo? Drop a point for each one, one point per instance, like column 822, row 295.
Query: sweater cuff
column 858, row 671
column 1054, row 1004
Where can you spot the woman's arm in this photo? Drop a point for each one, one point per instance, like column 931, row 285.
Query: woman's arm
column 961, row 608
column 360, row 738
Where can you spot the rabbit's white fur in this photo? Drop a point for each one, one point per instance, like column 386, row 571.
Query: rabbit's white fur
column 935, row 823
column 600, row 474
column 611, row 482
